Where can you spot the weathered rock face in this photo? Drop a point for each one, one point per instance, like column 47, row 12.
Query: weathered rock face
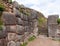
column 10, row 28
column 16, row 12
column 20, row 29
column 52, row 19
column 58, row 32
column 53, row 27
column 9, row 18
column 11, row 43
column 3, row 34
column 3, row 42
column 52, row 30
column 16, row 5
column 18, row 25
column 11, row 36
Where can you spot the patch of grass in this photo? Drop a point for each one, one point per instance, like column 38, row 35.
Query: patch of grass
column 31, row 38
column 10, row 1
column 1, row 22
column 2, row 7
column 56, row 40
column 41, row 20
column 26, row 12
column 58, row 20
column 24, row 44
column 1, row 28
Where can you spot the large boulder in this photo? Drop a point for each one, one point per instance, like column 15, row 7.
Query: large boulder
column 9, row 18
column 26, row 23
column 20, row 29
column 34, row 14
column 25, row 18
column 20, row 21
column 11, row 28
column 3, row 34
column 16, row 12
column 16, row 5
column 11, row 43
column 11, row 36
column 28, row 29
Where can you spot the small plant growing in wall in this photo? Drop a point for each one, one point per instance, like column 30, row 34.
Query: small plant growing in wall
column 58, row 20
column 24, row 12
column 2, row 8
column 10, row 1
column 31, row 38
column 1, row 24
column 24, row 44
column 1, row 28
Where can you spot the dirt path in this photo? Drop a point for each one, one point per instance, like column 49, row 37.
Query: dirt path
column 43, row 41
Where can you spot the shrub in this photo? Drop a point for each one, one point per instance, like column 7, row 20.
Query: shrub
column 31, row 38
column 1, row 28
column 10, row 1
column 1, row 22
column 58, row 20
column 24, row 12
column 2, row 8
column 41, row 21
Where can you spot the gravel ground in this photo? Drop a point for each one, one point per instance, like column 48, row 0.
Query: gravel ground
column 43, row 41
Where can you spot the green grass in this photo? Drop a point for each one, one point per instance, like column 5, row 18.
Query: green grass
column 2, row 7
column 1, row 28
column 24, row 44
column 58, row 20
column 22, row 11
column 31, row 38
column 1, row 22
column 10, row 1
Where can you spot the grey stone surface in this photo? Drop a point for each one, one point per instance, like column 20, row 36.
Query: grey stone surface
column 26, row 23
column 3, row 34
column 11, row 43
column 11, row 36
column 16, row 5
column 20, row 29
column 3, row 42
column 52, row 19
column 17, row 43
column 52, row 30
column 18, row 26
column 11, row 28
column 9, row 18
column 16, row 12
column 25, row 18
column 53, row 27
column 20, row 21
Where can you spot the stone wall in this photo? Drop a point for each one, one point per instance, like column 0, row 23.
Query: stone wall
column 18, row 27
column 53, row 26
column 52, row 19
column 58, row 32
